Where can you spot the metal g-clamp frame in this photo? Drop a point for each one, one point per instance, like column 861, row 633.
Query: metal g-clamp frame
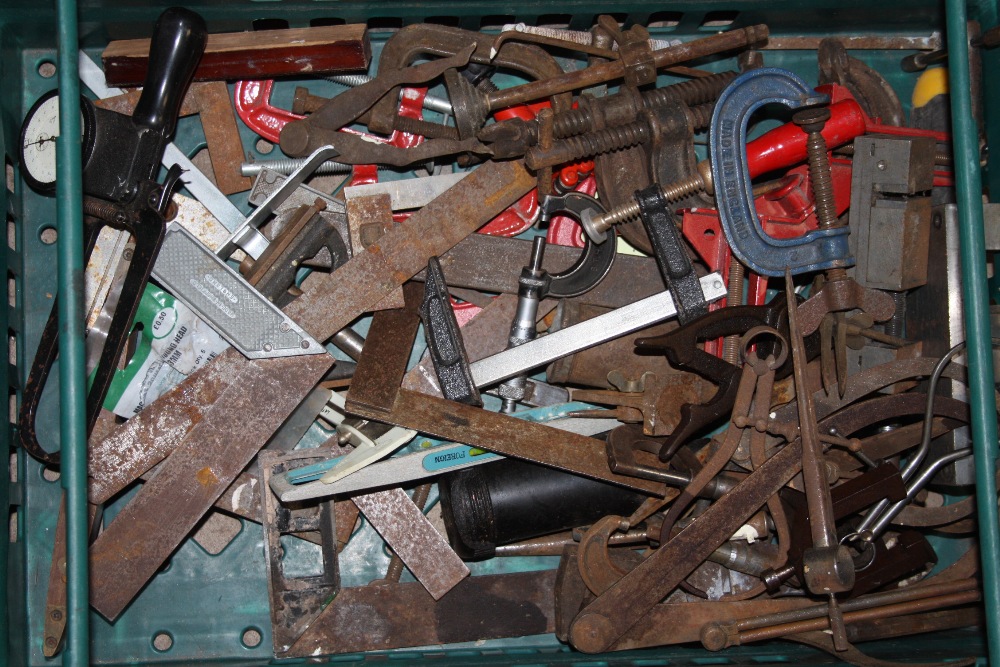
column 763, row 254
column 594, row 262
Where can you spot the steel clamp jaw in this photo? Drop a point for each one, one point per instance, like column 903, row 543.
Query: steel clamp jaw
column 816, row 251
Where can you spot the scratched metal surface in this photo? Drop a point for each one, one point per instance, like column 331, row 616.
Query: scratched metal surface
column 227, row 591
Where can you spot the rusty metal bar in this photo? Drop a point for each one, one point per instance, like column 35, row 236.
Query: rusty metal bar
column 508, row 436
column 386, row 351
column 144, row 534
column 143, row 441
column 489, row 607
column 604, row 621
column 331, row 301
column 888, row 611
column 493, row 263
column 412, row 537
column 615, row 69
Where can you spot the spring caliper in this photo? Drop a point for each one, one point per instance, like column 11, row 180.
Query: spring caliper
column 816, row 251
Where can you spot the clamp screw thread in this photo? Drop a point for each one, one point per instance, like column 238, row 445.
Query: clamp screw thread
column 585, row 145
column 424, row 128
column 731, row 344
column 693, row 93
column 597, row 225
column 812, row 122
column 288, row 165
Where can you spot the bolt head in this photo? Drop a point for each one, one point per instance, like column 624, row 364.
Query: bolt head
column 812, row 120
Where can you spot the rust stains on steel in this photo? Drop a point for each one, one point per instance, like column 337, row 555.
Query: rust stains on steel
column 418, row 544
column 611, row 615
column 144, row 534
column 332, row 301
column 506, row 435
column 143, row 441
column 487, row 607
column 387, row 349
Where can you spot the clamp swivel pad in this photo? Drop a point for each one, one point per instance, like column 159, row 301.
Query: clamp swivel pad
column 816, row 251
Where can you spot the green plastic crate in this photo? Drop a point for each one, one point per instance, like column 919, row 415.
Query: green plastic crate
column 206, row 603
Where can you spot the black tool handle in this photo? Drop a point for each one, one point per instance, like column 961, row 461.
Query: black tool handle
column 178, row 42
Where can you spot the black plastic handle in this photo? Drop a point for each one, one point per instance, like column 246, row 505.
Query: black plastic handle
column 178, row 42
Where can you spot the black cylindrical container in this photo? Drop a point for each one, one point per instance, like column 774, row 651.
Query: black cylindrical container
column 508, row 501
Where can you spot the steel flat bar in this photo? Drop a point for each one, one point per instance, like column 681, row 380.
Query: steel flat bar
column 72, row 355
column 331, row 301
column 503, row 434
column 611, row 615
column 144, row 534
column 382, row 616
column 969, row 190
column 386, row 351
column 408, row 193
column 402, row 470
column 421, row 547
column 595, row 331
column 327, row 306
column 143, row 441
column 493, row 263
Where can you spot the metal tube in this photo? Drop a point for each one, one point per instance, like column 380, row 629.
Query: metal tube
column 870, row 601
column 890, row 611
column 925, row 445
column 920, row 482
column 72, row 383
column 349, row 342
column 968, row 187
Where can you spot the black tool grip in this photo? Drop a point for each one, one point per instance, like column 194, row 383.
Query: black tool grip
column 178, row 42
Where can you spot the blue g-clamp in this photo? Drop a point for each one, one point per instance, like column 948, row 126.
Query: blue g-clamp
column 818, row 250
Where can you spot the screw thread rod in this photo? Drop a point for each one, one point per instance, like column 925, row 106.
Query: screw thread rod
column 693, row 93
column 630, row 211
column 731, row 344
column 288, row 165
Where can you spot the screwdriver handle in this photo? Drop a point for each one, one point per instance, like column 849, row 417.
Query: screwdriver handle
column 178, row 42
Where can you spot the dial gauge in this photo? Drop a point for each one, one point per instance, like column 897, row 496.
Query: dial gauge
column 38, row 141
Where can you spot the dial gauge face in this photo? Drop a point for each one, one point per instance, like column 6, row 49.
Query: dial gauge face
column 38, row 143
